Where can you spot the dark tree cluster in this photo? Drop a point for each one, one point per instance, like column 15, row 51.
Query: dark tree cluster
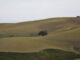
column 78, row 16
column 42, row 33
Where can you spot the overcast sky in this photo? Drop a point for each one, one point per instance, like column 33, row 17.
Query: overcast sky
column 28, row 10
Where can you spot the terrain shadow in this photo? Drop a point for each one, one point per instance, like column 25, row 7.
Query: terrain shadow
column 47, row 54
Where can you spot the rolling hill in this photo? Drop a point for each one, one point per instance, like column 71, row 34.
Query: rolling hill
column 63, row 33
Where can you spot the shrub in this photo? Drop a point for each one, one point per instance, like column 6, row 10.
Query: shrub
column 43, row 33
column 78, row 16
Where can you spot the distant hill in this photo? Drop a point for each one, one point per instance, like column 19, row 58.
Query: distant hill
column 63, row 33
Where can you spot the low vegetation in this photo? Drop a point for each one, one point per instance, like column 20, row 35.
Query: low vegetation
column 12, row 35
column 5, row 35
column 43, row 33
column 48, row 54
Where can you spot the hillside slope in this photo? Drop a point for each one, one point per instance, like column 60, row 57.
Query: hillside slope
column 63, row 33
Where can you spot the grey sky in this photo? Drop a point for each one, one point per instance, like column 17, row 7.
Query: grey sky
column 28, row 10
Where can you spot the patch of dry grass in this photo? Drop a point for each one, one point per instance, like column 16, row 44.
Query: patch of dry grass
column 63, row 33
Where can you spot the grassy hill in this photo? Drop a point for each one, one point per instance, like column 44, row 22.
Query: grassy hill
column 51, row 25
column 63, row 34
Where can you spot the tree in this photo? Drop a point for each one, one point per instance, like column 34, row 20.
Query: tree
column 43, row 33
column 78, row 16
